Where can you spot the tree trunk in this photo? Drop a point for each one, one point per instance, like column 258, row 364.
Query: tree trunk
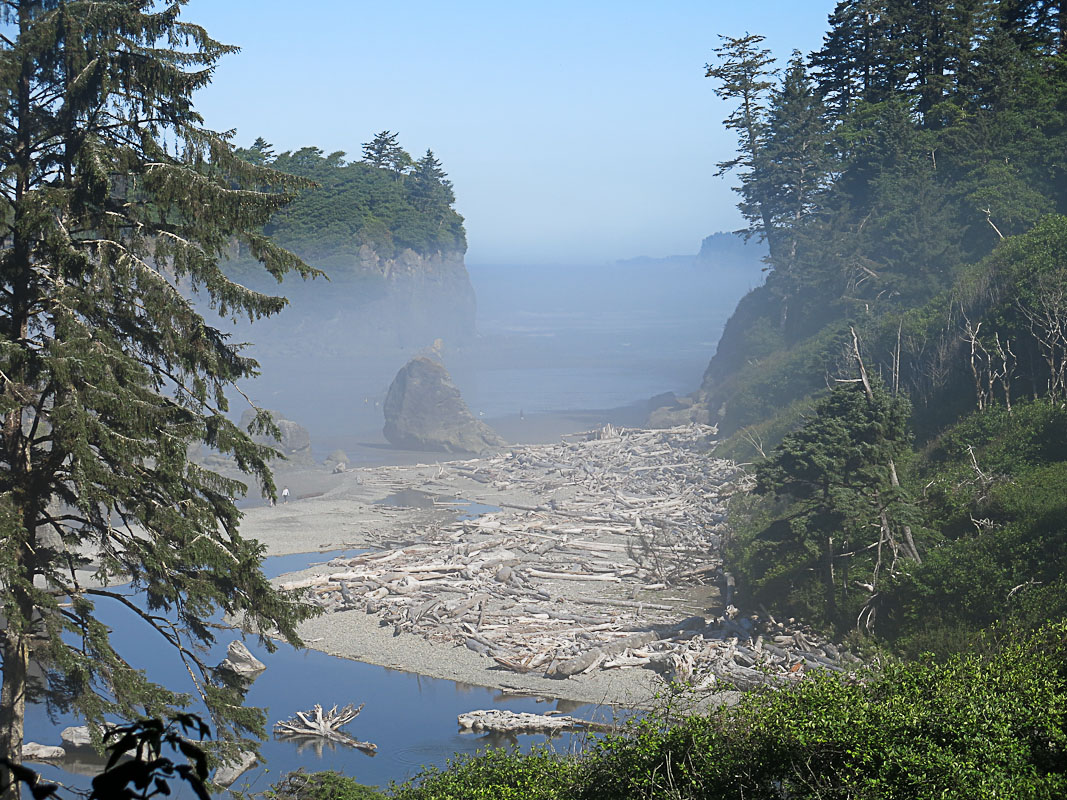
column 19, row 612
column 13, row 695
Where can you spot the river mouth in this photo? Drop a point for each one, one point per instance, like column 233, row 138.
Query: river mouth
column 412, row 718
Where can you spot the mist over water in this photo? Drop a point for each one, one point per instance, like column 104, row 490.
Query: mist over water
column 575, row 338
column 550, row 339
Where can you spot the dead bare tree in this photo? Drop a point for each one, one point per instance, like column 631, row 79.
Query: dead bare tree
column 989, row 368
column 325, row 724
column 1046, row 312
column 886, row 539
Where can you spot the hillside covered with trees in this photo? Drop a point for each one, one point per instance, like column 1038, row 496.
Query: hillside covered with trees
column 388, row 201
column 899, row 380
column 385, row 232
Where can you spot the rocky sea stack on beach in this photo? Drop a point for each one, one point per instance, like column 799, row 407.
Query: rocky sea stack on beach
column 424, row 411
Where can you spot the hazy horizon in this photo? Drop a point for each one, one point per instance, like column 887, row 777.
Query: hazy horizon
column 574, row 133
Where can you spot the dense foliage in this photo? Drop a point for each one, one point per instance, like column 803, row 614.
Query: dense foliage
column 116, row 205
column 909, row 181
column 848, row 523
column 877, row 169
column 978, row 726
column 387, row 201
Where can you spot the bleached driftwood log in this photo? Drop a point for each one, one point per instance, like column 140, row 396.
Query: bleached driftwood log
column 316, row 722
column 501, row 721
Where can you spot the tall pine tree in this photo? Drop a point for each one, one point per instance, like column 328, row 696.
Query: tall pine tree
column 794, row 164
column 744, row 72
column 117, row 205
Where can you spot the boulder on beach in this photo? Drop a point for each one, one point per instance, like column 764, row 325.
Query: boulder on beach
column 337, row 461
column 240, row 661
column 295, row 441
column 424, row 411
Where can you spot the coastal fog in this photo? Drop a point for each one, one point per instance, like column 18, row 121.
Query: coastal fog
column 545, row 343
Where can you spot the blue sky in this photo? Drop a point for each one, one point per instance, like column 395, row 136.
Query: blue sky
column 575, row 132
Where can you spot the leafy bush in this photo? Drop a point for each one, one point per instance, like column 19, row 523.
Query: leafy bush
column 495, row 775
column 986, row 725
column 995, row 488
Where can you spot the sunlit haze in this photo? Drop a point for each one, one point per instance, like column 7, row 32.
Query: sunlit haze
column 574, row 132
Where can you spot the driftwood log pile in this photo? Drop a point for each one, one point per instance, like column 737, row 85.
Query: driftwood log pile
column 611, row 562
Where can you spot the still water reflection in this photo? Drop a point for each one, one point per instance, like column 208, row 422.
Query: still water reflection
column 411, row 718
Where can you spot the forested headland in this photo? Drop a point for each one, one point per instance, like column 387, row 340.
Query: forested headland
column 899, row 380
column 387, row 200
column 384, row 229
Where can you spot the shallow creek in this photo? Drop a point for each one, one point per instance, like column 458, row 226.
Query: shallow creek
column 411, row 718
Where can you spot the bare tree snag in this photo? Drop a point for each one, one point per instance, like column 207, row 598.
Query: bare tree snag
column 316, row 722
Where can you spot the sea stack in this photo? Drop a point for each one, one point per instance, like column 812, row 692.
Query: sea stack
column 424, row 411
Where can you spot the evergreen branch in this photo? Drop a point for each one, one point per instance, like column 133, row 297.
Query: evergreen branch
column 161, row 626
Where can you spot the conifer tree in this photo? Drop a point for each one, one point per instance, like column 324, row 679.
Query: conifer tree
column 261, row 152
column 384, row 151
column 840, row 468
column 793, row 166
column 847, row 64
column 432, row 189
column 744, row 71
column 117, row 205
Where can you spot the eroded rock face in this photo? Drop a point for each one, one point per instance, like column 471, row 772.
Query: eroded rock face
column 295, row 442
column 424, row 411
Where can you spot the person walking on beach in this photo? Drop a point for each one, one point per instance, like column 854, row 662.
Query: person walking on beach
column 285, row 494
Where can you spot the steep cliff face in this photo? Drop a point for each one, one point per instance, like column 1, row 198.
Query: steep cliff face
column 738, row 267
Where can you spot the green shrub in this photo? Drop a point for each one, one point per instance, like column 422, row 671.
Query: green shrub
column 321, row 786
column 495, row 775
column 992, row 724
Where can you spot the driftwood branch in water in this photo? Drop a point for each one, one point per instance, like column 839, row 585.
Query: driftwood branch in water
column 325, row 724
